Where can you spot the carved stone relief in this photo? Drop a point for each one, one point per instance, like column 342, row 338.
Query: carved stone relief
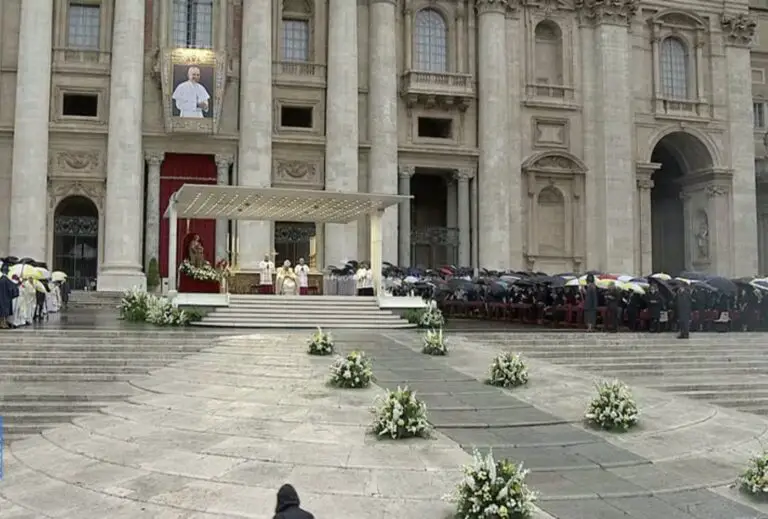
column 618, row 12
column 76, row 161
column 738, row 29
column 58, row 190
column 702, row 235
column 549, row 133
column 297, row 172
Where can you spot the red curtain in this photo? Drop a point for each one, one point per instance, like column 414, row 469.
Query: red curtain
column 177, row 170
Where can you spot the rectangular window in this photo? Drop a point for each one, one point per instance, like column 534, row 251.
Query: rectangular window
column 435, row 128
column 296, row 40
column 296, row 116
column 759, row 113
column 80, row 105
column 758, row 76
column 193, row 24
column 84, row 26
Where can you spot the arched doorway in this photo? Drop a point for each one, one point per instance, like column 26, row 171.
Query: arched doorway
column 76, row 240
column 681, row 156
column 434, row 229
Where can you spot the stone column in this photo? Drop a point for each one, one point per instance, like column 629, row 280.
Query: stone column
column 614, row 154
column 738, row 33
column 222, row 225
column 29, row 181
column 382, row 115
column 342, row 134
column 474, row 225
column 719, row 238
column 404, row 214
column 451, row 202
column 494, row 177
column 463, row 176
column 154, row 160
column 125, row 162
column 254, row 160
column 644, row 260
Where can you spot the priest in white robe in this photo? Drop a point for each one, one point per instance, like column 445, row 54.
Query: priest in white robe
column 286, row 280
column 302, row 272
column 364, row 280
column 191, row 98
column 266, row 271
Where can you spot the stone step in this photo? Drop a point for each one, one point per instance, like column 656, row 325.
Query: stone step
column 330, row 313
column 32, row 418
column 672, row 357
column 57, row 362
column 629, row 374
column 754, row 394
column 77, row 369
column 237, row 298
column 29, row 355
column 90, row 406
column 289, row 324
column 21, row 431
column 591, row 365
column 745, row 402
column 66, row 377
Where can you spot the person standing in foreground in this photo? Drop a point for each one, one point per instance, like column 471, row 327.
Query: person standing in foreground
column 288, row 504
column 590, row 303
column 684, row 311
column 302, row 270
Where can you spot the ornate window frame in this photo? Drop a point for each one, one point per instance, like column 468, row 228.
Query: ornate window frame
column 692, row 32
column 220, row 20
column 74, row 60
column 450, row 19
column 566, row 98
column 310, row 18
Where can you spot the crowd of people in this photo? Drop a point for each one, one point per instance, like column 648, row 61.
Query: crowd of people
column 29, row 293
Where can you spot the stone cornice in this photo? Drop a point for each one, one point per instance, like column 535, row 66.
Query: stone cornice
column 738, row 29
column 493, row 6
column 616, row 12
column 393, row 2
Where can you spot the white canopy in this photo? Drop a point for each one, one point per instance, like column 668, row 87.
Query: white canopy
column 195, row 201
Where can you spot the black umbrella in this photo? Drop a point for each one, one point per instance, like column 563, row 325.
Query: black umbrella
column 664, row 286
column 723, row 284
column 694, row 276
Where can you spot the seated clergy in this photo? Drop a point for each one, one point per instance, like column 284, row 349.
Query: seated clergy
column 364, row 280
column 266, row 270
column 302, row 272
column 286, row 280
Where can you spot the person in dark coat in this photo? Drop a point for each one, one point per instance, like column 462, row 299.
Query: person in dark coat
column 655, row 304
column 684, row 311
column 612, row 297
column 288, row 504
column 590, row 303
column 64, row 290
column 8, row 292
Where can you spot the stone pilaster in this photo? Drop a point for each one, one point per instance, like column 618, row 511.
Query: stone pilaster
column 382, row 116
column 125, row 161
column 451, row 202
column 496, row 184
column 29, row 182
column 474, row 224
column 404, row 216
column 463, row 177
column 644, row 249
column 154, row 160
column 222, row 225
column 613, row 161
column 719, row 239
column 738, row 32
column 254, row 164
column 342, row 134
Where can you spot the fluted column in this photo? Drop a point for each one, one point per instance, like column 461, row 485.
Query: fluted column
column 643, row 224
column 494, row 176
column 404, row 234
column 222, row 225
column 342, row 135
column 382, row 116
column 152, row 214
column 29, row 182
column 463, row 177
column 125, row 161
column 254, row 163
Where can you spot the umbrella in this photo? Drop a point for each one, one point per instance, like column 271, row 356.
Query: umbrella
column 664, row 285
column 45, row 273
column 643, row 282
column 632, row 287
column 694, row 276
column 625, row 279
column 59, row 276
column 578, row 282
column 761, row 283
column 662, row 276
column 605, row 283
column 684, row 280
column 23, row 271
column 723, row 284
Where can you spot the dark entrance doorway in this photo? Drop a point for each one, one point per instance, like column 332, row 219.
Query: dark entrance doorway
column 433, row 242
column 76, row 240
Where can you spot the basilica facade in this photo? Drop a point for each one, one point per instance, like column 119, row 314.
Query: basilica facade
column 551, row 135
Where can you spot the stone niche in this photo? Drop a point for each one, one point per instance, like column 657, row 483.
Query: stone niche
column 554, row 212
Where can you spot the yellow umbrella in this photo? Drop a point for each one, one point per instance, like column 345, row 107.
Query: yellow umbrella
column 633, row 287
column 605, row 283
column 24, row 272
column 662, row 276
column 575, row 282
column 38, row 286
column 59, row 275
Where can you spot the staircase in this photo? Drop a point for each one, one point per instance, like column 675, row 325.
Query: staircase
column 94, row 299
column 270, row 311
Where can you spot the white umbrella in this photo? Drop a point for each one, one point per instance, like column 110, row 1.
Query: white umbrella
column 59, row 276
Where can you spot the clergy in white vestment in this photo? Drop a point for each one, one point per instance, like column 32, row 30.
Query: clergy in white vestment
column 302, row 272
column 191, row 97
column 28, row 296
column 266, row 270
column 364, row 280
column 286, row 280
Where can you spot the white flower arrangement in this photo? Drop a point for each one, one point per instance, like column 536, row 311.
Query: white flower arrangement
column 160, row 311
column 613, row 407
column 399, row 414
column 353, row 371
column 432, row 317
column 204, row 273
column 434, row 343
column 508, row 370
column 493, row 490
column 754, row 480
column 133, row 305
column 321, row 343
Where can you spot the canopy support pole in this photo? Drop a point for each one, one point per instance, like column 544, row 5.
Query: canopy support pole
column 173, row 231
column 376, row 251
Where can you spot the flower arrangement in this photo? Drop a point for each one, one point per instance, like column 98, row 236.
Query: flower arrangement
column 321, row 343
column 754, row 480
column 432, row 317
column 434, row 344
column 224, row 268
column 493, row 489
column 160, row 311
column 204, row 273
column 508, row 370
column 133, row 305
column 353, row 371
column 399, row 414
column 613, row 407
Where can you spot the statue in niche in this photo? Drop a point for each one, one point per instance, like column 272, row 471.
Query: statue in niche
column 196, row 252
column 702, row 236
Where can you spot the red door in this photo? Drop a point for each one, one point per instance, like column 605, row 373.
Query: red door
column 177, row 170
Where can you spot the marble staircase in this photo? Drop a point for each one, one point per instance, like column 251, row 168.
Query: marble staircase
column 292, row 312
column 94, row 299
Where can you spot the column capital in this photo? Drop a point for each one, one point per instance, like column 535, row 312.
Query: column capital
column 739, row 29
column 406, row 171
column 493, row 6
column 223, row 160
column 643, row 173
column 716, row 190
column 154, row 158
column 464, row 174
column 615, row 12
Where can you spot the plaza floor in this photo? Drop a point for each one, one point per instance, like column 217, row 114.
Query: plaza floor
column 216, row 432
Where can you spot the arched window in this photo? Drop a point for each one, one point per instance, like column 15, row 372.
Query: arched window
column 430, row 42
column 549, row 56
column 193, row 24
column 296, row 36
column 674, row 69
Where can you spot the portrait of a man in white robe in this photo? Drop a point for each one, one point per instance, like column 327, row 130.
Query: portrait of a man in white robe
column 190, row 97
